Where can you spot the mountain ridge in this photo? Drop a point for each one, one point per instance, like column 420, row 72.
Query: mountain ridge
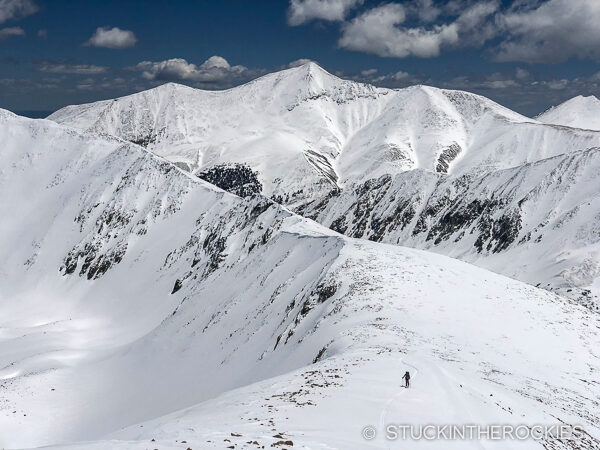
column 181, row 312
column 319, row 144
column 324, row 127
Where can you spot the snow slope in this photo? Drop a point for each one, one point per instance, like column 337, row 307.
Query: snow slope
column 578, row 112
column 538, row 223
column 141, row 307
column 304, row 130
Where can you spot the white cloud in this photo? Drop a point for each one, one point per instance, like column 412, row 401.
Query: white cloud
column 15, row 9
column 535, row 31
column 214, row 72
column 557, row 84
column 552, row 31
column 368, row 72
column 381, row 30
column 11, row 31
column 95, row 84
column 298, row 63
column 500, row 84
column 522, row 74
column 377, row 31
column 112, row 38
column 302, row 11
column 398, row 79
column 400, row 75
column 42, row 33
column 86, row 69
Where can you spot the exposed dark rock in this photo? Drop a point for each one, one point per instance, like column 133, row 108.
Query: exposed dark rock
column 498, row 233
column 339, row 225
column 446, row 157
column 325, row 292
column 238, row 179
column 320, row 355
column 144, row 141
column 456, row 218
column 260, row 207
column 214, row 247
column 177, row 286
column 322, row 165
column 402, row 216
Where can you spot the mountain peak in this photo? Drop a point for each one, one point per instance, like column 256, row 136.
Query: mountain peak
column 313, row 67
column 578, row 112
column 172, row 86
column 311, row 71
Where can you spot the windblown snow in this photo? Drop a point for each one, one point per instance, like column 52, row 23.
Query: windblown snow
column 435, row 169
column 141, row 307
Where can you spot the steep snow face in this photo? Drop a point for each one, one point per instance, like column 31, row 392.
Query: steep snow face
column 141, row 306
column 304, row 130
column 538, row 222
column 578, row 112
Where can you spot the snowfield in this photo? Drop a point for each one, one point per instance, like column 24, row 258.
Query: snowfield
column 141, row 307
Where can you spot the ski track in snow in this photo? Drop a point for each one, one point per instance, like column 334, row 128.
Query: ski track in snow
column 383, row 422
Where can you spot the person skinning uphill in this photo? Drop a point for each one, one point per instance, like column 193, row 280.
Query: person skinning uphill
column 406, row 379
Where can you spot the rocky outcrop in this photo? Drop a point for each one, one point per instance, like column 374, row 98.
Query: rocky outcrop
column 235, row 178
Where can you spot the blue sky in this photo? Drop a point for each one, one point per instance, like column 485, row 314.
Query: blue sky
column 525, row 54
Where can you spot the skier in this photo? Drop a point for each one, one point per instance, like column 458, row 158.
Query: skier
column 406, row 379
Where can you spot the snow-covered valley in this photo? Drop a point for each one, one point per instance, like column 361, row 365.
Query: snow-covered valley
column 141, row 307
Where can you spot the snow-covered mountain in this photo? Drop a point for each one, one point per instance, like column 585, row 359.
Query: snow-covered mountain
column 141, row 307
column 443, row 170
column 578, row 112
column 303, row 130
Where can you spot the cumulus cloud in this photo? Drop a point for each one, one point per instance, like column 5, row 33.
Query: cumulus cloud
column 383, row 31
column 15, row 9
column 534, row 31
column 377, row 31
column 552, row 31
column 11, row 31
column 302, row 11
column 84, row 69
column 215, row 72
column 112, row 38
